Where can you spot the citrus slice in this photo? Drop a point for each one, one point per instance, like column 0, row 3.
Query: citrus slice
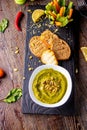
column 37, row 14
column 20, row 1
column 84, row 52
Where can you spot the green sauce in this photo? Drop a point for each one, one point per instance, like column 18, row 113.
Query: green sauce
column 49, row 86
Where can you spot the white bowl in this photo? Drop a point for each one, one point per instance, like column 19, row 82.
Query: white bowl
column 68, row 90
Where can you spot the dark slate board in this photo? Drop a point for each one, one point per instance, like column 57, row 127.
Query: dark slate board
column 66, row 33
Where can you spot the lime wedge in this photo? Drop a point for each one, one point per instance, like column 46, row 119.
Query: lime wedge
column 36, row 15
column 84, row 52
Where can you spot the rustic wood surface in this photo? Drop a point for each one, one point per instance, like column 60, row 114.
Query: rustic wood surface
column 11, row 117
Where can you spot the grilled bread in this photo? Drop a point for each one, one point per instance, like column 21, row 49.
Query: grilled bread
column 37, row 46
column 49, row 44
column 62, row 50
column 48, row 57
column 49, row 38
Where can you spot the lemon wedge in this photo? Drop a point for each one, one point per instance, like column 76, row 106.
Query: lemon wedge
column 37, row 14
column 84, row 52
column 20, row 1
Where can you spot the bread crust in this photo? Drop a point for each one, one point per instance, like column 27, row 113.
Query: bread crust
column 37, row 46
column 48, row 57
column 48, row 37
column 61, row 49
column 48, row 40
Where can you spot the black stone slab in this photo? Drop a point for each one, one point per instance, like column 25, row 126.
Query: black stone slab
column 68, row 34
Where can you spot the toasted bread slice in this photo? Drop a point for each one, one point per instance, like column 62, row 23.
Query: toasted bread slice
column 37, row 46
column 61, row 49
column 48, row 57
column 48, row 38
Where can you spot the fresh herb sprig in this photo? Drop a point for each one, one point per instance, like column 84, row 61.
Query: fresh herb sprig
column 13, row 95
column 3, row 24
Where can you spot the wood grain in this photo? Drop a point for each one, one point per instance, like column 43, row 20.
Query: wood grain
column 11, row 117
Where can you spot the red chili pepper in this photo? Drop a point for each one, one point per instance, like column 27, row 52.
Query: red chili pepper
column 18, row 18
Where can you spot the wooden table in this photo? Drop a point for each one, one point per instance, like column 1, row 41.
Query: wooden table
column 11, row 117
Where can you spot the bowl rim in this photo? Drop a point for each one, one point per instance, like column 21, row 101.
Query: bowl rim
column 67, row 93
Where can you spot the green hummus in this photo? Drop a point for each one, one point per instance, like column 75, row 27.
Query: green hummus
column 49, row 86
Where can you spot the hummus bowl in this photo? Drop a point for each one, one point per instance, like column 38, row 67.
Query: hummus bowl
column 50, row 86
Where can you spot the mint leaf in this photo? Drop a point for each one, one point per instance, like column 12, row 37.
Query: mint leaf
column 3, row 25
column 13, row 95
